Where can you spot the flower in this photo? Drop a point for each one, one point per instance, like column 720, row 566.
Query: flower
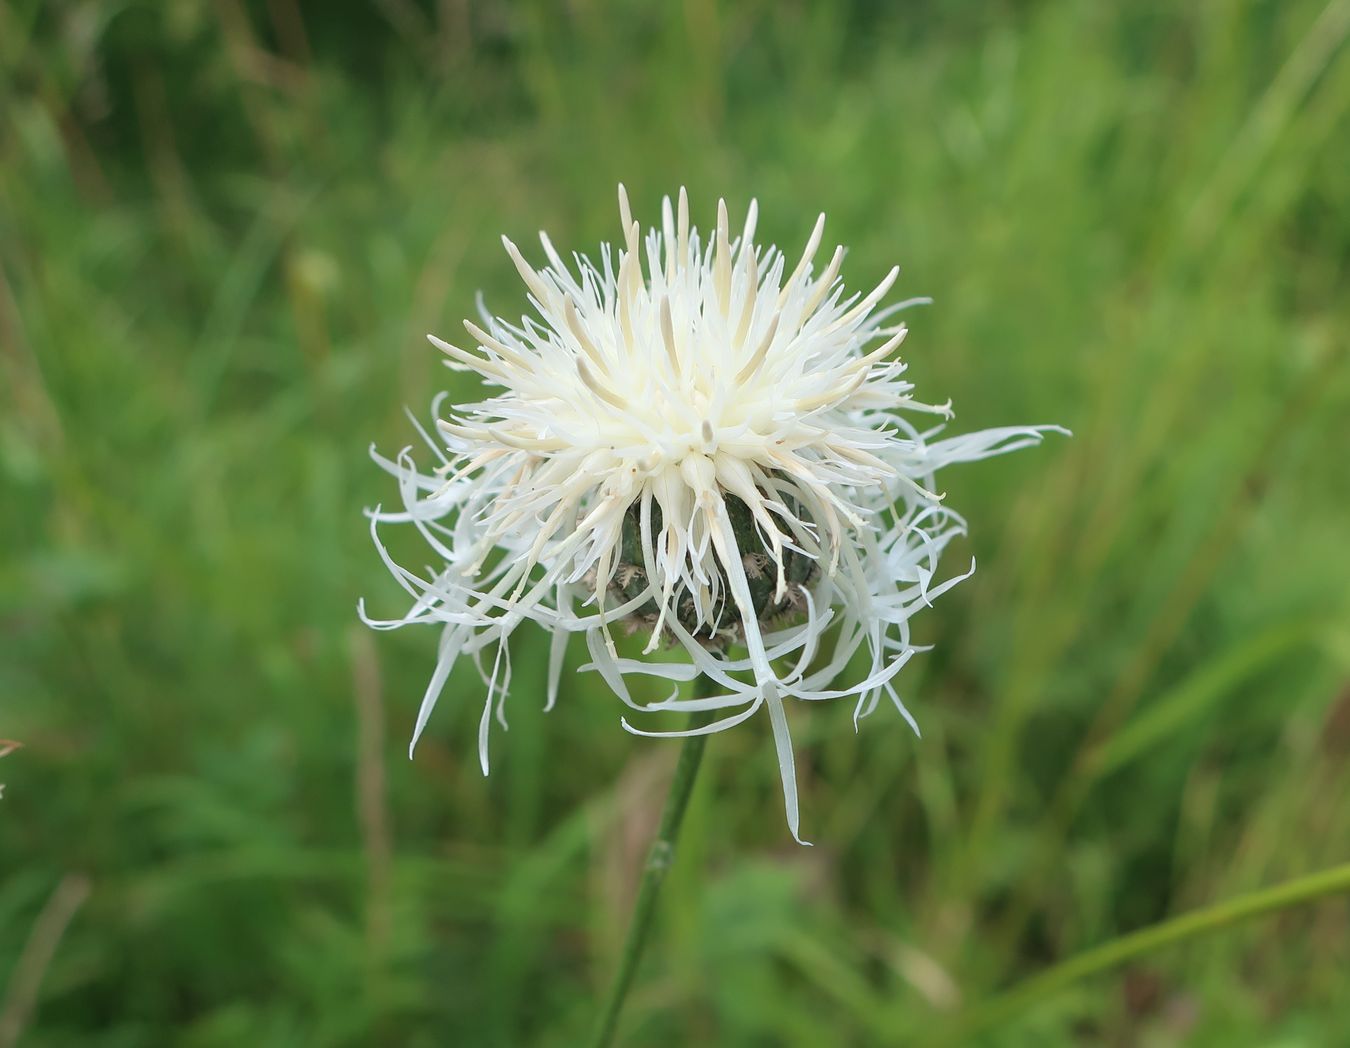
column 698, row 443
column 7, row 746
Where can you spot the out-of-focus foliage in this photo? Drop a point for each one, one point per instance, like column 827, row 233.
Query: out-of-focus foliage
column 225, row 228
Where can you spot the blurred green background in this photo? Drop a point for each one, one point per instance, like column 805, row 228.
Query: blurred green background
column 225, row 227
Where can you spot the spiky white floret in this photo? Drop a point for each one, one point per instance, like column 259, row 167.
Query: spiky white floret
column 711, row 373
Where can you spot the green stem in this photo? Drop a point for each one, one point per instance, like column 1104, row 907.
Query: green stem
column 1127, row 947
column 654, row 872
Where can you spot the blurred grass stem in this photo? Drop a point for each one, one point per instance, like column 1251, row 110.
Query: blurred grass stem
column 1335, row 880
column 21, row 996
column 659, row 860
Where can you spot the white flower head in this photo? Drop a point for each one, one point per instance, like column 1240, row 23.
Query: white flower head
column 705, row 443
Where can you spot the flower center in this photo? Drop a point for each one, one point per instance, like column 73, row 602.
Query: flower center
column 757, row 562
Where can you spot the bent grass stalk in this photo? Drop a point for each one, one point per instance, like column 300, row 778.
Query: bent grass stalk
column 659, row 860
column 1109, row 955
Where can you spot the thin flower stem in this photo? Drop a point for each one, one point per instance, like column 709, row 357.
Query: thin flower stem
column 659, row 860
column 1189, row 925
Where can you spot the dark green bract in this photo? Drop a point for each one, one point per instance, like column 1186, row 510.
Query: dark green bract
column 761, row 572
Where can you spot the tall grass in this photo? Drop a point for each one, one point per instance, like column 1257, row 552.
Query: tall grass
column 225, row 228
